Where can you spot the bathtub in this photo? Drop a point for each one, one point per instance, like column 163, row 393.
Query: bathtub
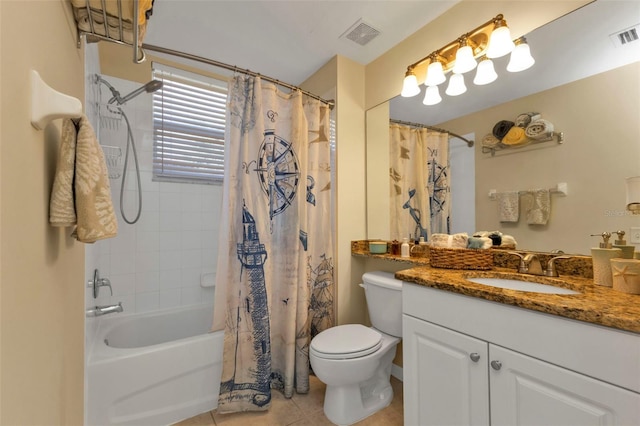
column 153, row 369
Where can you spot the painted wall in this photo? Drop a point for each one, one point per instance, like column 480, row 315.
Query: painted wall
column 347, row 77
column 600, row 150
column 41, row 279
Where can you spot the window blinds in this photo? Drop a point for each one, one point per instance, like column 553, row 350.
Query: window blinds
column 189, row 120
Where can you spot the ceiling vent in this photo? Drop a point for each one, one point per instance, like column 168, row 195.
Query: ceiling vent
column 361, row 33
column 624, row 37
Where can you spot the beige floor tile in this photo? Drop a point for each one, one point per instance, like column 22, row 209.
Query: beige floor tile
column 301, row 410
column 204, row 419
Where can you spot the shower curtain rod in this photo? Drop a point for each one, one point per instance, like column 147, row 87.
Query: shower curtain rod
column 234, row 68
column 437, row 129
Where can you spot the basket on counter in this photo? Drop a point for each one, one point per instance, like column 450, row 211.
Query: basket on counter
column 454, row 258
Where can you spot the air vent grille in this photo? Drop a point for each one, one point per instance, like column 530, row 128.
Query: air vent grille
column 361, row 33
column 624, row 37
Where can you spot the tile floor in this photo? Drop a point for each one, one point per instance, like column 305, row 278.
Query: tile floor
column 300, row 410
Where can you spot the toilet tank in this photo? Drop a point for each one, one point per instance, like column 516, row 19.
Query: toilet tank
column 384, row 301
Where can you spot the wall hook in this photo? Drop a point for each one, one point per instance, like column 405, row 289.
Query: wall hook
column 48, row 104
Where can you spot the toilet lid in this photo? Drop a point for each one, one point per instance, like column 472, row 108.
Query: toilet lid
column 346, row 341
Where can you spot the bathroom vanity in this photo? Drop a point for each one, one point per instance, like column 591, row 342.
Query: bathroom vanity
column 473, row 355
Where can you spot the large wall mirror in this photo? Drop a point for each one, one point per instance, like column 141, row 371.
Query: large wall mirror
column 584, row 82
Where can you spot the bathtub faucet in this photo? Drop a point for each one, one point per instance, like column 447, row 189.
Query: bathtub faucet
column 96, row 311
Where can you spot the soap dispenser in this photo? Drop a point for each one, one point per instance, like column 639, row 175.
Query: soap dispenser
column 621, row 243
column 601, row 257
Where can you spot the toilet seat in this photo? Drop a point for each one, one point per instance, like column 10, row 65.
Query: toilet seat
column 346, row 342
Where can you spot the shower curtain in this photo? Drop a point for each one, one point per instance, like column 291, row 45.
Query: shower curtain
column 276, row 265
column 419, row 189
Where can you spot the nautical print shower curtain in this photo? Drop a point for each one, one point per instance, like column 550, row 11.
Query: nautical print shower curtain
column 277, row 263
column 419, row 187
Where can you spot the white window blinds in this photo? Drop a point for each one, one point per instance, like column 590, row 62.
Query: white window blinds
column 188, row 126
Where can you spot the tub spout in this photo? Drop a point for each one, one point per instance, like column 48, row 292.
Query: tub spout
column 96, row 311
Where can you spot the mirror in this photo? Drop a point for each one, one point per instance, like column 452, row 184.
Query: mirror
column 584, row 82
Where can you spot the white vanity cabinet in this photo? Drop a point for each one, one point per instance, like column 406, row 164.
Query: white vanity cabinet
column 469, row 361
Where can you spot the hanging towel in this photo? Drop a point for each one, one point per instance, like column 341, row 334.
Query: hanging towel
column 81, row 194
column 508, row 206
column 538, row 206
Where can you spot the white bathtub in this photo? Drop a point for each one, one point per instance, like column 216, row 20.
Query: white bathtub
column 157, row 368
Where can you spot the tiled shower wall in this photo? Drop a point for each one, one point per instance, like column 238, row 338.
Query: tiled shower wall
column 160, row 261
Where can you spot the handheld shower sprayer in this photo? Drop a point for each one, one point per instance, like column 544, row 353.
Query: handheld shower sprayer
column 150, row 87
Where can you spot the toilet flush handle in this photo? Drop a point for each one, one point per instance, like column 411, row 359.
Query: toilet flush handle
column 362, row 285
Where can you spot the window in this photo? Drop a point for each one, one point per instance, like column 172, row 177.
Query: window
column 189, row 120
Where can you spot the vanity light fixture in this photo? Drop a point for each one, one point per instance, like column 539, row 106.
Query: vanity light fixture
column 521, row 58
column 490, row 40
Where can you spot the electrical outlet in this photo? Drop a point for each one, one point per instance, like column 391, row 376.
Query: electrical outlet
column 634, row 238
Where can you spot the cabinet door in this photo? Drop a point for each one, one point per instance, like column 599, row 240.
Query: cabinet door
column 446, row 379
column 527, row 391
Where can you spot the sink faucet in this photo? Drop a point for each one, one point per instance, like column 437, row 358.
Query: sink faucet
column 97, row 311
column 530, row 264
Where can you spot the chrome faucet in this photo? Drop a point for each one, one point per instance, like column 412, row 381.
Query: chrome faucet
column 98, row 282
column 530, row 264
column 97, row 311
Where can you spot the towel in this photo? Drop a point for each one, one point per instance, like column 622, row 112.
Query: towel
column 509, row 241
column 515, row 137
column 449, row 241
column 538, row 206
column 508, row 206
column 523, row 120
column 501, row 128
column 479, row 243
column 145, row 8
column 81, row 194
column 113, row 24
column 490, row 141
column 539, row 129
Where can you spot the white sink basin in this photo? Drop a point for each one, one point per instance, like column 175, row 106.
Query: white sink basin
column 522, row 285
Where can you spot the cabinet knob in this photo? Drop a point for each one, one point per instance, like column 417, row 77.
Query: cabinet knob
column 496, row 365
column 475, row 357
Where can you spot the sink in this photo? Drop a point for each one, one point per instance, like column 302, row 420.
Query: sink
column 512, row 284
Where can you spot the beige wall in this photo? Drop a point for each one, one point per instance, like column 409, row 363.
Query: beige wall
column 599, row 117
column 384, row 75
column 348, row 79
column 41, row 278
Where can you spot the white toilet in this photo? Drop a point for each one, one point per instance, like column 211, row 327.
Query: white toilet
column 354, row 361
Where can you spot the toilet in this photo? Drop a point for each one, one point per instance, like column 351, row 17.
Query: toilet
column 354, row 361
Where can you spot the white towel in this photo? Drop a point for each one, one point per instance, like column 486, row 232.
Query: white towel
column 450, row 241
column 508, row 206
column 538, row 206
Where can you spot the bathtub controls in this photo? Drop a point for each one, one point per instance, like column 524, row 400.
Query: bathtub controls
column 98, row 282
column 97, row 311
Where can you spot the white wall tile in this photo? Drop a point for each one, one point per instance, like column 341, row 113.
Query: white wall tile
column 169, row 298
column 147, row 261
column 123, row 262
column 147, row 281
column 170, row 259
column 190, row 295
column 191, row 240
column 170, row 201
column 170, row 220
column 191, row 201
column 191, row 221
column 122, row 284
column 207, row 295
column 147, row 241
column 146, row 302
column 191, row 277
column 170, row 279
column 170, row 240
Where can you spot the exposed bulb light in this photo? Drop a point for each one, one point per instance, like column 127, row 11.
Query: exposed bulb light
column 435, row 74
column 456, row 85
column 410, row 86
column 432, row 96
column 500, row 42
column 485, row 73
column 465, row 61
column 521, row 58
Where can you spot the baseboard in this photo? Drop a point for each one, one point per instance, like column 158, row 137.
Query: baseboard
column 396, row 372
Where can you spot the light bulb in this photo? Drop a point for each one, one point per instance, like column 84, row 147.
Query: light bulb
column 456, row 85
column 485, row 73
column 500, row 42
column 521, row 58
column 410, row 85
column 465, row 61
column 435, row 74
column 432, row 96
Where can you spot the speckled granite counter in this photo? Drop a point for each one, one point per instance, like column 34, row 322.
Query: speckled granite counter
column 595, row 304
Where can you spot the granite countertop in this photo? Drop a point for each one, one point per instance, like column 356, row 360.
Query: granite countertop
column 595, row 304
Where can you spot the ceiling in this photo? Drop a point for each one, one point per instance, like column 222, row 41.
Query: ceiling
column 286, row 40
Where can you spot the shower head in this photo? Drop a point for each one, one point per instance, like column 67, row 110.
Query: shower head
column 150, row 87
